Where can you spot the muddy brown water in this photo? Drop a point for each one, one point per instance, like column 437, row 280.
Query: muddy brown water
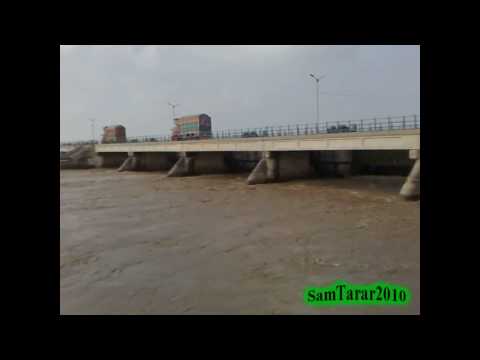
column 142, row 243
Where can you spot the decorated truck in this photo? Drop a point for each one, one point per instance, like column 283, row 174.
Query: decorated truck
column 114, row 134
column 192, row 127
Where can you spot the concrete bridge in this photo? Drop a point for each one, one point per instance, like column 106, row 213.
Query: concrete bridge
column 379, row 140
column 277, row 158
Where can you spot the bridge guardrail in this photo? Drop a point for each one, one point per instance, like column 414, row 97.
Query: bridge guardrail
column 362, row 125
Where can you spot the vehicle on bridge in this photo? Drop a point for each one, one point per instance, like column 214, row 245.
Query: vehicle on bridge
column 249, row 134
column 193, row 127
column 114, row 134
column 341, row 128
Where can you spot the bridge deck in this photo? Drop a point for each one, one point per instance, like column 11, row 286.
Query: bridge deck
column 380, row 140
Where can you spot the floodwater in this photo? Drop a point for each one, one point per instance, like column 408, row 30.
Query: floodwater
column 142, row 243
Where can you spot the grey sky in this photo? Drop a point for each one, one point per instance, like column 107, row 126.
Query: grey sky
column 238, row 86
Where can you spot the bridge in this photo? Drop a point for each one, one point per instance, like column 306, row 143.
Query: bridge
column 382, row 140
column 278, row 153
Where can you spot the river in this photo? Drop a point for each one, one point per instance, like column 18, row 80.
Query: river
column 142, row 243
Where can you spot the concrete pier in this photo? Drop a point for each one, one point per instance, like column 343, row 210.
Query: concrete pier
column 130, row 164
column 280, row 166
column 288, row 165
column 199, row 163
column 183, row 167
column 264, row 172
column 411, row 189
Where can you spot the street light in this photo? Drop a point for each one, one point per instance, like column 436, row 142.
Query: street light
column 173, row 108
column 93, row 129
column 317, row 79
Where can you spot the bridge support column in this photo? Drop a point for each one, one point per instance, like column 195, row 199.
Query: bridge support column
column 130, row 164
column 265, row 171
column 199, row 163
column 280, row 166
column 183, row 166
column 411, row 188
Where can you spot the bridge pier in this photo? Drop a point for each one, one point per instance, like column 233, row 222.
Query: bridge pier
column 411, row 188
column 287, row 165
column 265, row 171
column 148, row 161
column 130, row 164
column 281, row 165
column 199, row 163
column 183, row 166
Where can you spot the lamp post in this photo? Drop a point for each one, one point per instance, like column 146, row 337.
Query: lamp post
column 93, row 129
column 317, row 79
column 173, row 108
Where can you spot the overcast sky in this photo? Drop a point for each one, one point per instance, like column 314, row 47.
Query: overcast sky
column 238, row 86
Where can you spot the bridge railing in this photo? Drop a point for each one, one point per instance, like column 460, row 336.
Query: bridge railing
column 75, row 143
column 362, row 125
column 306, row 129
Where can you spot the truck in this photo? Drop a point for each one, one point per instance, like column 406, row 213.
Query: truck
column 192, row 127
column 114, row 134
